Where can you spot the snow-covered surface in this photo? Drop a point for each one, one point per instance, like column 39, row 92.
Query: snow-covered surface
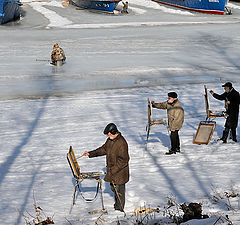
column 233, row 6
column 55, row 19
column 36, row 135
column 108, row 76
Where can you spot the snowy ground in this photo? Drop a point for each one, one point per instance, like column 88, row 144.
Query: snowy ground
column 114, row 63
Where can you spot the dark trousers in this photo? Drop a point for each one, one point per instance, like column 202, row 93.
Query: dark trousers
column 175, row 142
column 233, row 134
column 230, row 125
column 119, row 195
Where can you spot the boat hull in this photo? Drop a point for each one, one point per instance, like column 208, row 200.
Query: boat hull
column 100, row 5
column 203, row 6
column 9, row 10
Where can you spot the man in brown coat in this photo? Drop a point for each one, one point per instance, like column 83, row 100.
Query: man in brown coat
column 175, row 114
column 116, row 150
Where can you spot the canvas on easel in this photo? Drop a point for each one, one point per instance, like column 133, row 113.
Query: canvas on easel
column 204, row 132
column 211, row 114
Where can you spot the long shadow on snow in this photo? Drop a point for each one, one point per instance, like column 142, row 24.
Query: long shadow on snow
column 31, row 184
column 4, row 168
column 160, row 137
column 196, row 177
column 169, row 180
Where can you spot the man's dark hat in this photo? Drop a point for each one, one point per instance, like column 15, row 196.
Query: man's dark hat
column 228, row 84
column 112, row 128
column 172, row 94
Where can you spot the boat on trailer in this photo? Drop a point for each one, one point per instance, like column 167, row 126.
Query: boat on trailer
column 202, row 6
column 9, row 10
column 107, row 6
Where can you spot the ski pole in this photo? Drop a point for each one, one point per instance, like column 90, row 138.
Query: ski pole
column 43, row 60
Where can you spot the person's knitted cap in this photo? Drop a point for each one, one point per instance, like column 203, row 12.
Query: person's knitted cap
column 111, row 128
column 172, row 94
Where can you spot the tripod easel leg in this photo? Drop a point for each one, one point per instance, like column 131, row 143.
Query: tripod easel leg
column 74, row 195
column 148, row 130
column 75, row 190
column 100, row 182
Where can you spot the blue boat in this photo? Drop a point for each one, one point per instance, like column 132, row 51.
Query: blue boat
column 9, row 10
column 100, row 5
column 203, row 6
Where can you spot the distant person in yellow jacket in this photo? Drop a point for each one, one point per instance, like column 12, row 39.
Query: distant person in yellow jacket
column 57, row 54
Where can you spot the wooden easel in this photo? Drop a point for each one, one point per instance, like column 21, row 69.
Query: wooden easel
column 79, row 177
column 211, row 114
column 206, row 128
column 152, row 122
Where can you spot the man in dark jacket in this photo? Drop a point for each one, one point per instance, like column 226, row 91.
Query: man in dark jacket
column 175, row 114
column 232, row 101
column 116, row 150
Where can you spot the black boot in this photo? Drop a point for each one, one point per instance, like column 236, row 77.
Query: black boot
column 224, row 136
column 170, row 152
column 233, row 134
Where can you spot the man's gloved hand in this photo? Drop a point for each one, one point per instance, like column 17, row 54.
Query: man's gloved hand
column 211, row 92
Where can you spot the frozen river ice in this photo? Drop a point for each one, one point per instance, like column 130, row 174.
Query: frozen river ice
column 152, row 45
